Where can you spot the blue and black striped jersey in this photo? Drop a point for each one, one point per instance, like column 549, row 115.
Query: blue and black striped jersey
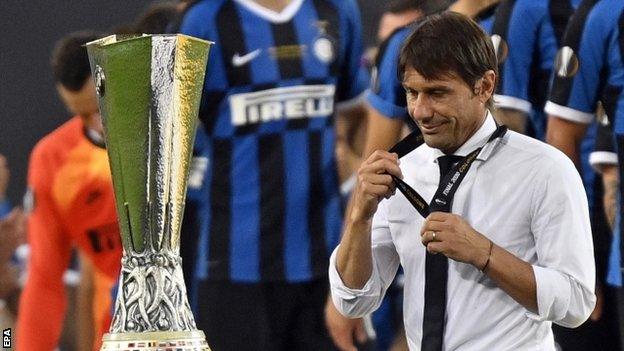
column 526, row 35
column 588, row 69
column 589, row 65
column 271, row 204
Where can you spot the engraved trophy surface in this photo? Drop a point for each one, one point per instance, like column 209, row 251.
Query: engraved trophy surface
column 149, row 89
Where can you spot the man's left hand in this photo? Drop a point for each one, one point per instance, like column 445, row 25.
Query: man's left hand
column 452, row 236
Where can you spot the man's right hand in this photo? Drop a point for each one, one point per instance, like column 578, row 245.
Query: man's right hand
column 374, row 183
column 343, row 330
column 4, row 177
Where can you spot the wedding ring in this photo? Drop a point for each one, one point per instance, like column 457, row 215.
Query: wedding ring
column 433, row 236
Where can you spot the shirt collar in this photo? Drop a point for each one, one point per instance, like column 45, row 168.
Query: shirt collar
column 478, row 139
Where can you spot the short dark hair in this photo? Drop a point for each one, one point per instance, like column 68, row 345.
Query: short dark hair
column 448, row 43
column 70, row 62
column 426, row 7
column 157, row 18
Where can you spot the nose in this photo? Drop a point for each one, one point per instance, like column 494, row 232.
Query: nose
column 420, row 107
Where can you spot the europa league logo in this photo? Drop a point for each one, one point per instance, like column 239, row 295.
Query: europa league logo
column 566, row 63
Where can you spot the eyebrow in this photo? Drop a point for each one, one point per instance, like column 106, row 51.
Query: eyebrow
column 429, row 89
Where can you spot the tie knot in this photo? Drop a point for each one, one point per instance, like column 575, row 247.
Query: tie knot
column 447, row 162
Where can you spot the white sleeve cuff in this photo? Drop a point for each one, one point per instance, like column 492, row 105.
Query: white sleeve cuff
column 506, row 101
column 340, row 289
column 553, row 295
column 601, row 158
column 568, row 113
column 561, row 299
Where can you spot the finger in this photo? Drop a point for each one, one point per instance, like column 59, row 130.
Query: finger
column 360, row 332
column 374, row 190
column 391, row 191
column 435, row 226
column 343, row 340
column 439, row 216
column 384, row 165
column 381, row 154
column 378, row 179
column 427, row 237
column 431, row 236
column 435, row 247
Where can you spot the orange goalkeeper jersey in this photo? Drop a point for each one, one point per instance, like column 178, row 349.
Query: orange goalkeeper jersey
column 73, row 206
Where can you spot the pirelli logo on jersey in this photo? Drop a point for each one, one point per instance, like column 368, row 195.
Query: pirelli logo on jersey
column 302, row 101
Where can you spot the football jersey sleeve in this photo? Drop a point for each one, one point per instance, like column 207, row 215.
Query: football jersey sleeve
column 386, row 94
column 353, row 76
column 516, row 32
column 579, row 66
column 42, row 304
column 604, row 152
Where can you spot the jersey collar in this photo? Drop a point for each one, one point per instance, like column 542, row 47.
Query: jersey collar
column 276, row 17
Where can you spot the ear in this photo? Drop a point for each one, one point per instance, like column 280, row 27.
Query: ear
column 485, row 87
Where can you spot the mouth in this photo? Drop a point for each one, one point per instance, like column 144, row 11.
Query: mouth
column 431, row 128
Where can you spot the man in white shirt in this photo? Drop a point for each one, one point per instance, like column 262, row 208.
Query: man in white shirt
column 516, row 247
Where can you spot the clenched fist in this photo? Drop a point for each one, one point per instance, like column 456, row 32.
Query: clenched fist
column 374, row 183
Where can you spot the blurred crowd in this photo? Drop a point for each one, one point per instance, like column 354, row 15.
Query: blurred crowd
column 560, row 80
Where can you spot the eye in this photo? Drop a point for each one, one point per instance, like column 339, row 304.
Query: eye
column 411, row 93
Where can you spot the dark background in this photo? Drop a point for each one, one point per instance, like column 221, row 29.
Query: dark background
column 29, row 106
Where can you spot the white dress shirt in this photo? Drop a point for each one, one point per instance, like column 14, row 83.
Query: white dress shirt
column 525, row 196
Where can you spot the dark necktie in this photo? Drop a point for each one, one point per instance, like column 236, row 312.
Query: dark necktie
column 436, row 271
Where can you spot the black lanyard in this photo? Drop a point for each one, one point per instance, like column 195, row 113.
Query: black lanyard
column 448, row 185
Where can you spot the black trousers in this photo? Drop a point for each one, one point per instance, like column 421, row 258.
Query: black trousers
column 270, row 316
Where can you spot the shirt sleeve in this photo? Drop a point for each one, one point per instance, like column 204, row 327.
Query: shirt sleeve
column 565, row 270
column 42, row 303
column 386, row 94
column 578, row 67
column 359, row 302
column 353, row 77
column 604, row 152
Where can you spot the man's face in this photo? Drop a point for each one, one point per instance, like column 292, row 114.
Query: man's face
column 446, row 109
column 83, row 103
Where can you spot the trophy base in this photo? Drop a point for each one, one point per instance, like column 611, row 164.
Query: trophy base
column 156, row 341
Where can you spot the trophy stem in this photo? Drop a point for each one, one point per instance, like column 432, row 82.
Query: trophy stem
column 152, row 295
column 149, row 91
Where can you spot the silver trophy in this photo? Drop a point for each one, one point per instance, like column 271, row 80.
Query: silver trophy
column 149, row 88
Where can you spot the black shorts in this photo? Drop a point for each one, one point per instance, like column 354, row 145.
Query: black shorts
column 269, row 316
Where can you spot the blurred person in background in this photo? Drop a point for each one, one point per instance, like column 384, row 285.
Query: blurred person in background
column 270, row 210
column 157, row 17
column 5, row 206
column 588, row 70
column 11, row 236
column 72, row 201
column 526, row 35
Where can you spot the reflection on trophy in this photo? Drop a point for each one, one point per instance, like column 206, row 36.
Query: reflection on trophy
column 149, row 89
